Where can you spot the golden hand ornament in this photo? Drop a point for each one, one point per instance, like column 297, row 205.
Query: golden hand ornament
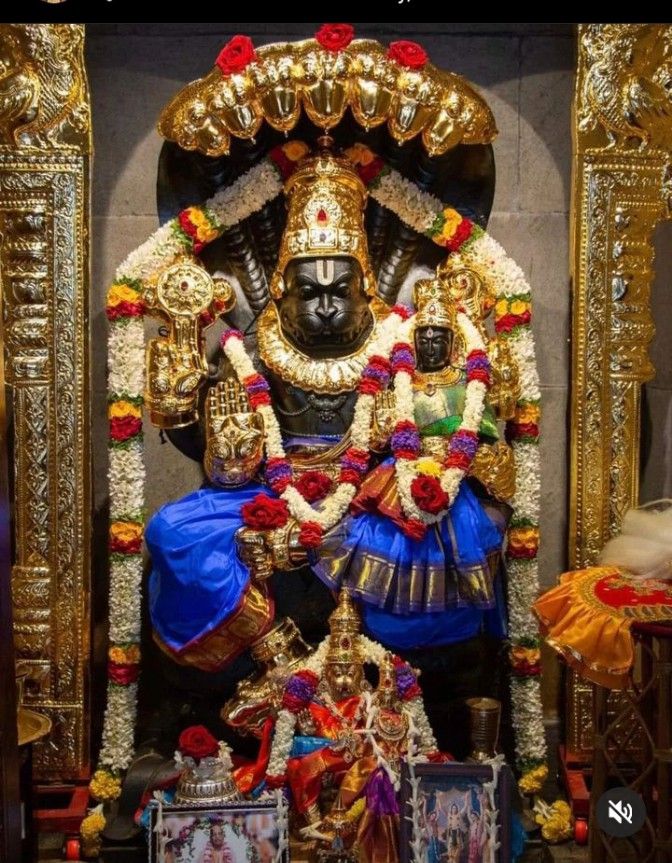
column 505, row 389
column 494, row 467
column 254, row 552
column 187, row 298
column 234, row 435
column 382, row 421
column 286, row 550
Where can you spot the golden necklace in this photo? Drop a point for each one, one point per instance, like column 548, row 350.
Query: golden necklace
column 429, row 382
column 326, row 376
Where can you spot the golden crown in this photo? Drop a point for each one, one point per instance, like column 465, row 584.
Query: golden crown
column 325, row 218
column 434, row 305
column 345, row 629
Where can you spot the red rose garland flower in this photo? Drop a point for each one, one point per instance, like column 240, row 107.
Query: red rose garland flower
column 428, row 494
column 236, row 55
column 197, row 742
column 335, row 37
column 313, row 485
column 408, row 54
column 124, row 428
column 310, row 535
column 122, row 673
column 265, row 513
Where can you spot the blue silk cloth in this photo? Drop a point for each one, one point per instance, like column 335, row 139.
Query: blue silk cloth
column 197, row 579
column 419, row 593
column 302, row 745
column 420, row 629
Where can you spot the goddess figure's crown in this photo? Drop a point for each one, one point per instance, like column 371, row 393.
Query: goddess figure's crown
column 345, row 629
column 434, row 306
column 325, row 203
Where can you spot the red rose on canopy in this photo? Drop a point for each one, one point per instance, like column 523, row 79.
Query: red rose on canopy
column 428, row 494
column 313, row 485
column 265, row 513
column 197, row 742
column 236, row 55
column 408, row 54
column 335, row 37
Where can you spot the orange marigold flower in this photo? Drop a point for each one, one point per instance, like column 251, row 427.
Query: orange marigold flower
column 122, row 294
column 295, row 150
column 360, row 154
column 452, row 220
column 123, row 409
column 527, row 413
column 126, row 531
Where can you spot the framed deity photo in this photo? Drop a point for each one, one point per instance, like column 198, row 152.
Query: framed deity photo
column 232, row 833
column 455, row 813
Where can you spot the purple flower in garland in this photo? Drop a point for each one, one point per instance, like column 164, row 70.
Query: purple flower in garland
column 299, row 690
column 477, row 362
column 375, row 376
column 465, row 442
column 407, row 684
column 278, row 474
column 405, row 439
column 256, row 384
column 402, row 358
column 478, row 367
column 354, row 461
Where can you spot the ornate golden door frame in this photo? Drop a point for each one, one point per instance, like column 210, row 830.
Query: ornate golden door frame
column 44, row 220
column 622, row 133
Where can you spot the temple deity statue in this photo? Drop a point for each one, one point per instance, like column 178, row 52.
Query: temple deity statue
column 348, row 354
column 406, row 575
column 338, row 743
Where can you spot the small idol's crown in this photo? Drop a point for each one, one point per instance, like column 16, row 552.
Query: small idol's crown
column 434, row 306
column 345, row 630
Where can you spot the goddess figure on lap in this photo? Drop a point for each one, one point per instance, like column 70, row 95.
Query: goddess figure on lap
column 430, row 583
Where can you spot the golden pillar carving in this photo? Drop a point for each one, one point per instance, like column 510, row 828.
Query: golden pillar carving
column 45, row 145
column 622, row 134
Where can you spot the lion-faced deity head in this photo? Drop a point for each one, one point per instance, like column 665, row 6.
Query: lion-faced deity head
column 323, row 280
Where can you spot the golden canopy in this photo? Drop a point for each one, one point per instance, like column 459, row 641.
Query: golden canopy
column 280, row 79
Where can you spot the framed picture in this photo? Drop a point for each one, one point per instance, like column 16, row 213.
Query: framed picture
column 231, row 833
column 455, row 813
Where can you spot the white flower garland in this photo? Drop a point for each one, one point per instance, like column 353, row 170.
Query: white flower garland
column 332, row 508
column 119, row 726
column 229, row 206
column 408, row 469
column 126, row 473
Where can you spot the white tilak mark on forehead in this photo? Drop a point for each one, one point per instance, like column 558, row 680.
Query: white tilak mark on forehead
column 325, row 271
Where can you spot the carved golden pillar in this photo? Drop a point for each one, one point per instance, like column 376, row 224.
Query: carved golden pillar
column 45, row 144
column 622, row 133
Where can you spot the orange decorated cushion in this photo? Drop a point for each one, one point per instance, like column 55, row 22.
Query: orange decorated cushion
column 587, row 618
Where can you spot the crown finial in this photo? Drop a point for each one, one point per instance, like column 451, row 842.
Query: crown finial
column 345, row 629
